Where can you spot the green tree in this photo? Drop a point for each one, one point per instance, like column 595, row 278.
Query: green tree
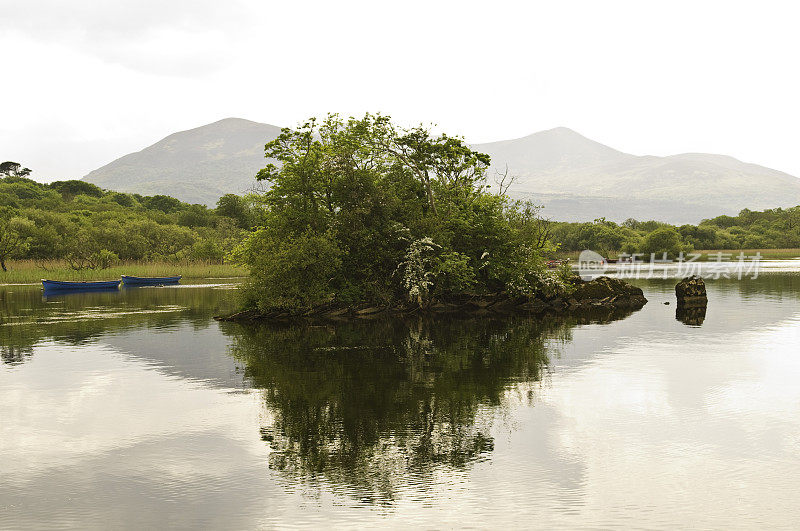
column 236, row 208
column 13, row 169
column 195, row 216
column 663, row 240
column 292, row 273
column 364, row 191
column 14, row 235
column 125, row 200
column 164, row 203
column 69, row 189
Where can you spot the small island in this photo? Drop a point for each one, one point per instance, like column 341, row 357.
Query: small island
column 362, row 217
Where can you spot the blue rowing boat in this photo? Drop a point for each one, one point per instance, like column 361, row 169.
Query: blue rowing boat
column 149, row 281
column 61, row 285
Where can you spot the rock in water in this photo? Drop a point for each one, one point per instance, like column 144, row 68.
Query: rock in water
column 609, row 292
column 691, row 292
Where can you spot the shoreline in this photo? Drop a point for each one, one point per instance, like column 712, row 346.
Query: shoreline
column 604, row 294
column 788, row 253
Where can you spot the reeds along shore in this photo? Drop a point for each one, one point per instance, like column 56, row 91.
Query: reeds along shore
column 30, row 271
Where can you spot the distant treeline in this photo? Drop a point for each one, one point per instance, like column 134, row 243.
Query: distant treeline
column 90, row 227
column 771, row 229
column 93, row 228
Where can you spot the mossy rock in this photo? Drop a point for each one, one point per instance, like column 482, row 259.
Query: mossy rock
column 690, row 287
column 606, row 288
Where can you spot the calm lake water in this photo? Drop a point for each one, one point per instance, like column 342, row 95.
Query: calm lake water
column 136, row 409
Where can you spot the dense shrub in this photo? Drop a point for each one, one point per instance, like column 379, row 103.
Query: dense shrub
column 77, row 221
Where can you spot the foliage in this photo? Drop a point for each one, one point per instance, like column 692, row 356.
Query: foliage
column 770, row 229
column 240, row 209
column 164, row 203
column 13, row 169
column 91, row 228
column 453, row 272
column 73, row 188
column 207, row 250
column 403, row 214
column 290, row 273
column 101, row 259
column 14, row 236
column 663, row 241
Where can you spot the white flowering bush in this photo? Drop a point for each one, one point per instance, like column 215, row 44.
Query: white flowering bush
column 416, row 269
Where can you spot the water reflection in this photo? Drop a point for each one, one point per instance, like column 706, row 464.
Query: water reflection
column 27, row 317
column 691, row 316
column 140, row 411
column 14, row 354
column 372, row 405
column 53, row 294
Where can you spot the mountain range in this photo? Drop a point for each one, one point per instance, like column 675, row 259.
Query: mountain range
column 197, row 166
column 573, row 177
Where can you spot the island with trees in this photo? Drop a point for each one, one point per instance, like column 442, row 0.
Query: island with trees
column 362, row 216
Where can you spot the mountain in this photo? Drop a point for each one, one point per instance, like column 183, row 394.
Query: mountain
column 196, row 166
column 578, row 179
column 575, row 178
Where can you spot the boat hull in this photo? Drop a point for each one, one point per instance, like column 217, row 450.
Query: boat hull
column 60, row 285
column 149, row 281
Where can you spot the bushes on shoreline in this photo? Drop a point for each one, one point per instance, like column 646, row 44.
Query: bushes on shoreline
column 91, row 228
column 769, row 229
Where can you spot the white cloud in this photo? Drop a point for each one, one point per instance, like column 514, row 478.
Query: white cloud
column 649, row 77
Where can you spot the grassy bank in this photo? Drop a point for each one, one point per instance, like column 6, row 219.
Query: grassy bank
column 711, row 254
column 26, row 271
column 766, row 254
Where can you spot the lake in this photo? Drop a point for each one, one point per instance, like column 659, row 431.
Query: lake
column 136, row 409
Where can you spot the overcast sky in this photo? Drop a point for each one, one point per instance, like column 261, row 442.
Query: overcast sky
column 88, row 81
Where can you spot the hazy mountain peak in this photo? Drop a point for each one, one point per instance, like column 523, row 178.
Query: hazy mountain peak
column 233, row 119
column 196, row 165
column 227, row 127
column 575, row 177
column 561, row 131
column 549, row 151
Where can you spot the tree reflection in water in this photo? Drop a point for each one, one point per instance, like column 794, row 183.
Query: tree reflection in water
column 15, row 354
column 373, row 405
